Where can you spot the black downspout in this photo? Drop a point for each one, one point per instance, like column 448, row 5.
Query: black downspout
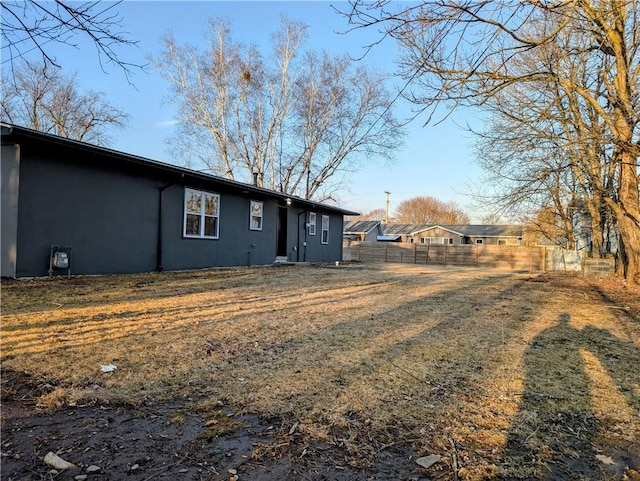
column 159, row 266
column 305, row 236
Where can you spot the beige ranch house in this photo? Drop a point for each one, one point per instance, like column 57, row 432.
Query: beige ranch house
column 507, row 234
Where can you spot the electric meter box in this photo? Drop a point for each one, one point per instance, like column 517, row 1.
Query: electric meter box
column 61, row 260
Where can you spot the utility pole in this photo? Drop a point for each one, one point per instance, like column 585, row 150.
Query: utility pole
column 386, row 217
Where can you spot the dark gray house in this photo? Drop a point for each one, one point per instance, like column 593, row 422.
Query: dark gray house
column 68, row 206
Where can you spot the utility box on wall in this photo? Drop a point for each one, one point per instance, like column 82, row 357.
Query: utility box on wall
column 60, row 260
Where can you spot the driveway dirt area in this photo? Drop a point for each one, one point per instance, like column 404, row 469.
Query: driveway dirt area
column 321, row 372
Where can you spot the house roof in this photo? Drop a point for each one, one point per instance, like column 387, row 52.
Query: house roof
column 471, row 230
column 403, row 229
column 12, row 133
column 504, row 230
column 360, row 226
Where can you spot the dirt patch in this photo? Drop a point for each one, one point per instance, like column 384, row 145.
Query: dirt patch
column 322, row 372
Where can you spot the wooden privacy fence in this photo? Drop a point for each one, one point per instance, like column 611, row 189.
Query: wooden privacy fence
column 516, row 258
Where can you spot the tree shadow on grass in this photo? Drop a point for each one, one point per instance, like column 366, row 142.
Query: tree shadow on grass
column 553, row 436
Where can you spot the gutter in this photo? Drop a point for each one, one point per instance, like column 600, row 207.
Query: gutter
column 159, row 266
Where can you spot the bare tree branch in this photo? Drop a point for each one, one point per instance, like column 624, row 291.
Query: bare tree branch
column 44, row 99
column 29, row 25
column 487, row 53
column 299, row 122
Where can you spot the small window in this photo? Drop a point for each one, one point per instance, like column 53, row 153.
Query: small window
column 325, row 229
column 502, row 242
column 201, row 214
column 312, row 223
column 255, row 222
column 479, row 241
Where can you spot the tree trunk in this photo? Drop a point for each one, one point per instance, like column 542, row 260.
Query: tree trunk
column 597, row 228
column 627, row 213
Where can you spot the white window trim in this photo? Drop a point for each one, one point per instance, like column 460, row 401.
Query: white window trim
column 258, row 208
column 325, row 228
column 312, row 223
column 479, row 241
column 202, row 215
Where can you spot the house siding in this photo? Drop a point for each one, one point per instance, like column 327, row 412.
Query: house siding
column 10, row 178
column 237, row 245
column 316, row 251
column 109, row 219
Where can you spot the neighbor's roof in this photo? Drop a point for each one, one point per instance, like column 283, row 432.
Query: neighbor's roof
column 14, row 133
column 359, row 226
column 467, row 230
column 403, row 229
column 504, row 230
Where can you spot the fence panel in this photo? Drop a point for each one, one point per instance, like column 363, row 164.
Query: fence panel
column 499, row 257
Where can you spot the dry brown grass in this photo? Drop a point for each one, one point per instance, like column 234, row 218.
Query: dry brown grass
column 502, row 374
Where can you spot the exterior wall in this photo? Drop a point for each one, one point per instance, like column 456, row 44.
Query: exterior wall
column 371, row 235
column 10, row 178
column 237, row 245
column 437, row 232
column 109, row 219
column 314, row 250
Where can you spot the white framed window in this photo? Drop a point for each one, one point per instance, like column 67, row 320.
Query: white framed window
column 479, row 241
column 256, row 214
column 201, row 214
column 312, row 223
column 436, row 240
column 325, row 230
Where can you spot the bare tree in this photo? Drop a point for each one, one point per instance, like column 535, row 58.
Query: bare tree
column 298, row 122
column 466, row 52
column 545, row 148
column 429, row 210
column 29, row 25
column 375, row 214
column 44, row 99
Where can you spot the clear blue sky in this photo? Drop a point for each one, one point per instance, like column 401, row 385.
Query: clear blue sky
column 435, row 161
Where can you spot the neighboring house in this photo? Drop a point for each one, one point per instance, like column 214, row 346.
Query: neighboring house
column 469, row 234
column 400, row 232
column 583, row 233
column 362, row 230
column 452, row 234
column 68, row 206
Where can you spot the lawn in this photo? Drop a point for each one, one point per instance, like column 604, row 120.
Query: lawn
column 323, row 372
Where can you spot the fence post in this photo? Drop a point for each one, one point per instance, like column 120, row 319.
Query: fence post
column 445, row 255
